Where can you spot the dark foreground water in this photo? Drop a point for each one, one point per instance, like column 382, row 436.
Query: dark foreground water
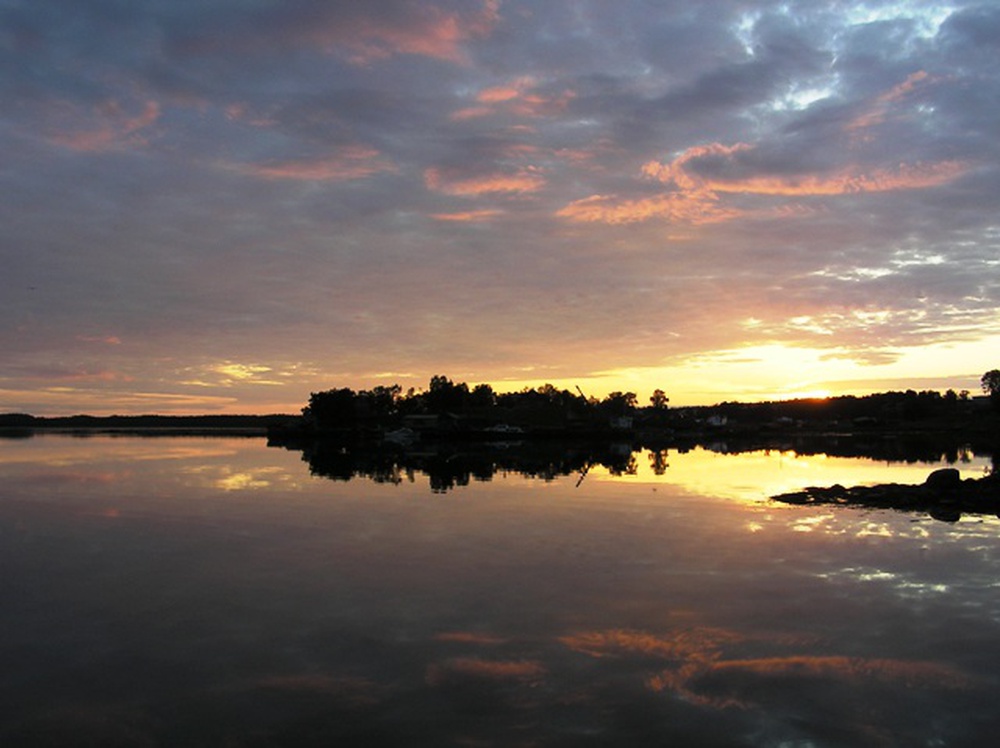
column 211, row 592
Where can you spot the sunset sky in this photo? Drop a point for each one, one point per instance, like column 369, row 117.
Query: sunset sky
column 224, row 205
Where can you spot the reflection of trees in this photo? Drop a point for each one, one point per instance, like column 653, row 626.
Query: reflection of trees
column 621, row 462
column 911, row 448
column 338, row 462
column 658, row 461
column 449, row 466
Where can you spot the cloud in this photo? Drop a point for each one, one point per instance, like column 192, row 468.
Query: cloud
column 419, row 29
column 481, row 669
column 743, row 683
column 107, row 340
column 113, row 401
column 468, row 216
column 684, row 644
column 701, row 175
column 694, row 207
column 850, row 181
column 522, row 97
column 355, row 162
column 881, row 109
column 519, row 181
column 716, row 168
column 105, row 127
column 469, row 637
column 361, row 34
column 58, row 374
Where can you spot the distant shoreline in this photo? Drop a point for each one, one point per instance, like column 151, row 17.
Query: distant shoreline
column 923, row 422
column 18, row 424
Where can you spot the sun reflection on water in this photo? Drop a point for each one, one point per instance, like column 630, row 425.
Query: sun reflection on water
column 763, row 473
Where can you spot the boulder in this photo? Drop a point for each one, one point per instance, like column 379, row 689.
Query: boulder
column 944, row 479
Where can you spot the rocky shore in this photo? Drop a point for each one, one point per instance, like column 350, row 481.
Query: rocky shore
column 944, row 495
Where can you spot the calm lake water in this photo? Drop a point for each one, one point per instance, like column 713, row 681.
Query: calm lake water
column 213, row 592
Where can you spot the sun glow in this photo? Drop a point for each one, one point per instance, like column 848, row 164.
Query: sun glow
column 805, row 395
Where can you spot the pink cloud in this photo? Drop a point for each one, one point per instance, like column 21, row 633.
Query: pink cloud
column 521, row 181
column 849, row 180
column 513, row 90
column 82, row 375
column 490, row 670
column 576, row 155
column 519, row 97
column 113, row 127
column 694, row 680
column 677, row 172
column 354, row 162
column 698, row 644
column 693, row 208
column 469, row 216
column 472, row 112
column 881, row 108
column 697, row 199
column 469, row 637
column 428, row 31
column 106, row 339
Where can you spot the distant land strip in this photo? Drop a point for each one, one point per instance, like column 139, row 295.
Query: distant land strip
column 250, row 425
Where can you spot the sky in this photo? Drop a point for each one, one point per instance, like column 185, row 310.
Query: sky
column 225, row 205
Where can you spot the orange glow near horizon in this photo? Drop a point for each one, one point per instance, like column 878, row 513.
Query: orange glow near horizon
column 751, row 374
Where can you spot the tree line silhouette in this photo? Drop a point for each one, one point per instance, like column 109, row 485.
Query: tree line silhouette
column 457, row 407
column 549, row 407
column 480, row 405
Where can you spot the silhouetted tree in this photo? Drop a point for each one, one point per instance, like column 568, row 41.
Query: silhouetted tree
column 991, row 386
column 619, row 403
column 380, row 402
column 659, row 399
column 482, row 396
column 444, row 396
column 332, row 409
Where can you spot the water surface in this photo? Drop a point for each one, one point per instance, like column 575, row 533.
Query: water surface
column 213, row 592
